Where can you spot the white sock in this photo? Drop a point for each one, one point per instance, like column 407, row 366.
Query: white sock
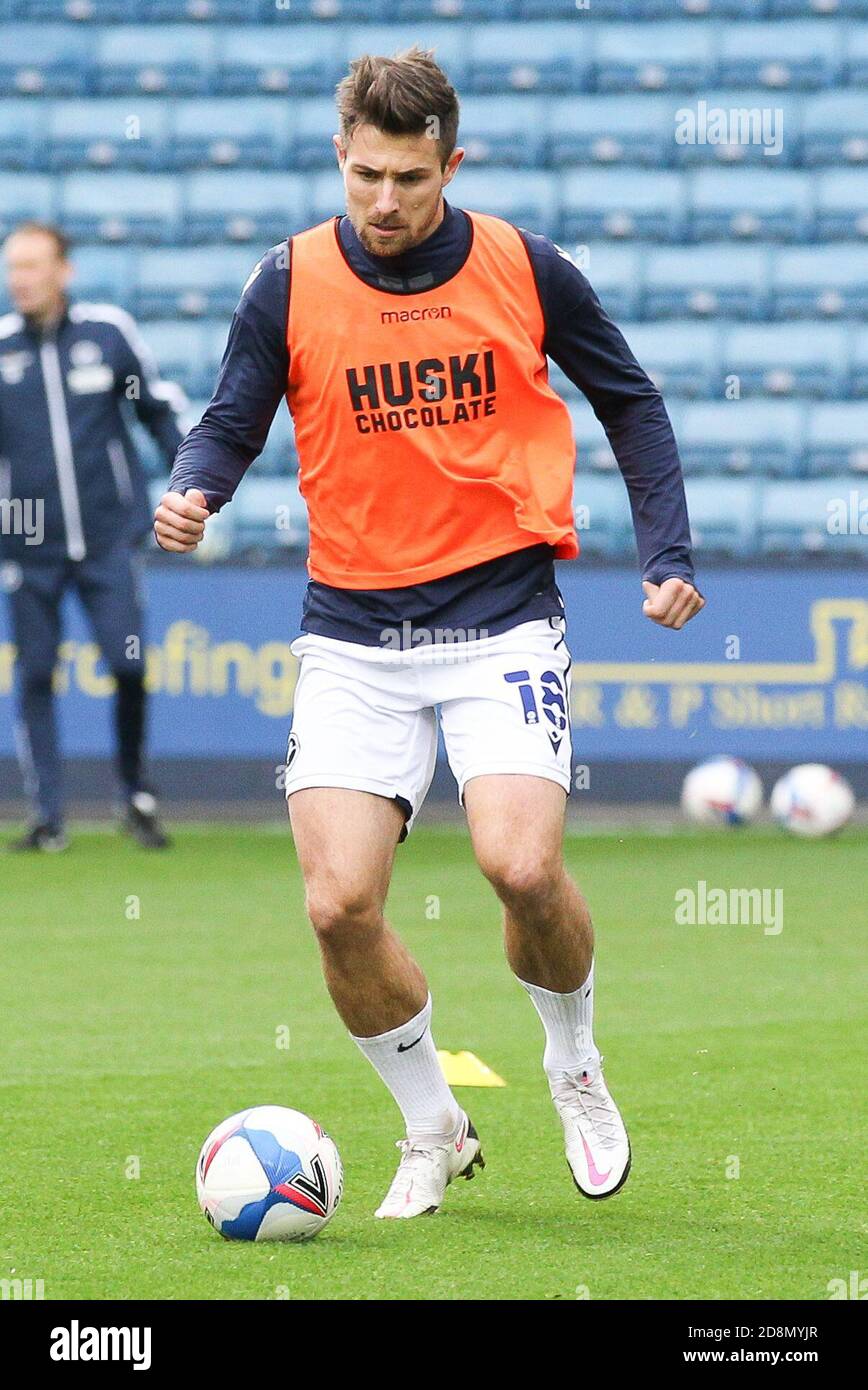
column 406, row 1061
column 568, row 1020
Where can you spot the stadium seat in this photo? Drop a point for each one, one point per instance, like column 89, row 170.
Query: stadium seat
column 750, row 203
column 738, row 128
column 615, row 271
column 229, row 132
column 292, row 58
column 313, row 123
column 835, row 129
column 261, row 207
column 858, row 383
column 608, row 130
column 269, row 517
column 803, row 8
column 622, row 203
column 121, row 207
column 22, row 133
column 529, row 201
column 681, row 358
column 837, row 440
column 105, row 273
column 658, row 57
column 544, row 57
column 105, row 134
column 196, row 282
column 723, row 516
column 797, row 518
column 25, row 196
column 505, row 130
column 593, row 451
column 791, row 359
column 741, row 436
column 602, row 515
column 450, row 9
column 856, row 58
column 172, row 58
column 347, row 11
column 44, row 59
column 221, row 11
column 803, row 54
column 824, row 282
column 179, row 348
column 713, row 281
column 841, row 204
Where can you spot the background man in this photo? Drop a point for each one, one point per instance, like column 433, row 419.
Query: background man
column 66, row 457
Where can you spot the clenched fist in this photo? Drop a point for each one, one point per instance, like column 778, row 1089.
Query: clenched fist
column 179, row 521
column 672, row 603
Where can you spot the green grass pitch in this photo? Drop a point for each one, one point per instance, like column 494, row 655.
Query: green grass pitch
column 126, row 1038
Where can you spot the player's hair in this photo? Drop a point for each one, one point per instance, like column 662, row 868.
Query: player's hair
column 62, row 243
column 408, row 94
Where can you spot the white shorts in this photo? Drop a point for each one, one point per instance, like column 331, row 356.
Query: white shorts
column 365, row 718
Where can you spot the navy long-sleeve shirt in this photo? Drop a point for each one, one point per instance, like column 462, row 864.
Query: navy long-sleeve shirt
column 579, row 337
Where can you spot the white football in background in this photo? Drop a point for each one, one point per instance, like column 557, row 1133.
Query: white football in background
column 722, row 791
column 812, row 799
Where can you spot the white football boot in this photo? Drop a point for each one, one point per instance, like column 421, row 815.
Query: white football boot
column 598, row 1149
column 426, row 1170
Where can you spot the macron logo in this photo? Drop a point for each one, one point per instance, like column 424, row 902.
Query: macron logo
column 77, row 1343
column 406, row 315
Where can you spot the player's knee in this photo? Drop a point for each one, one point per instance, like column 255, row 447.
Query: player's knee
column 523, row 875
column 339, row 913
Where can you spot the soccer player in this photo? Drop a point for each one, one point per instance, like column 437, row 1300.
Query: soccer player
column 410, row 339
column 66, row 370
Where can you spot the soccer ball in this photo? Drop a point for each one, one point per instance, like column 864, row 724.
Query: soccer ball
column 722, row 791
column 812, row 799
column 269, row 1174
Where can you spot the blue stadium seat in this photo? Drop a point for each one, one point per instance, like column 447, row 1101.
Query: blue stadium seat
column 615, row 273
column 640, row 9
column 44, row 59
column 788, row 9
column 179, row 348
column 449, row 41
column 260, row 207
column 22, row 133
column 796, row 517
column 290, row 58
column 652, row 58
column 593, row 452
column 713, row 281
column 723, row 513
column 528, row 200
column 229, row 132
column 610, row 130
column 347, row 11
column 105, row 134
column 841, row 204
column 858, row 383
column 172, row 58
column 821, row 282
column 221, row 11
column 737, row 128
column 505, row 130
column 451, row 9
column 787, row 359
column 25, row 196
column 105, row 274
column 682, row 358
column 835, row 129
column 802, row 54
column 192, row 281
column 92, row 11
column 121, row 207
column 313, row 122
column 750, row 203
column 270, row 517
column 622, row 203
column 856, row 59
column 742, row 436
column 544, row 57
column 837, row 440
column 602, row 516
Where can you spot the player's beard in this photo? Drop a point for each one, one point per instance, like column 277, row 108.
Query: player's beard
column 393, row 246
